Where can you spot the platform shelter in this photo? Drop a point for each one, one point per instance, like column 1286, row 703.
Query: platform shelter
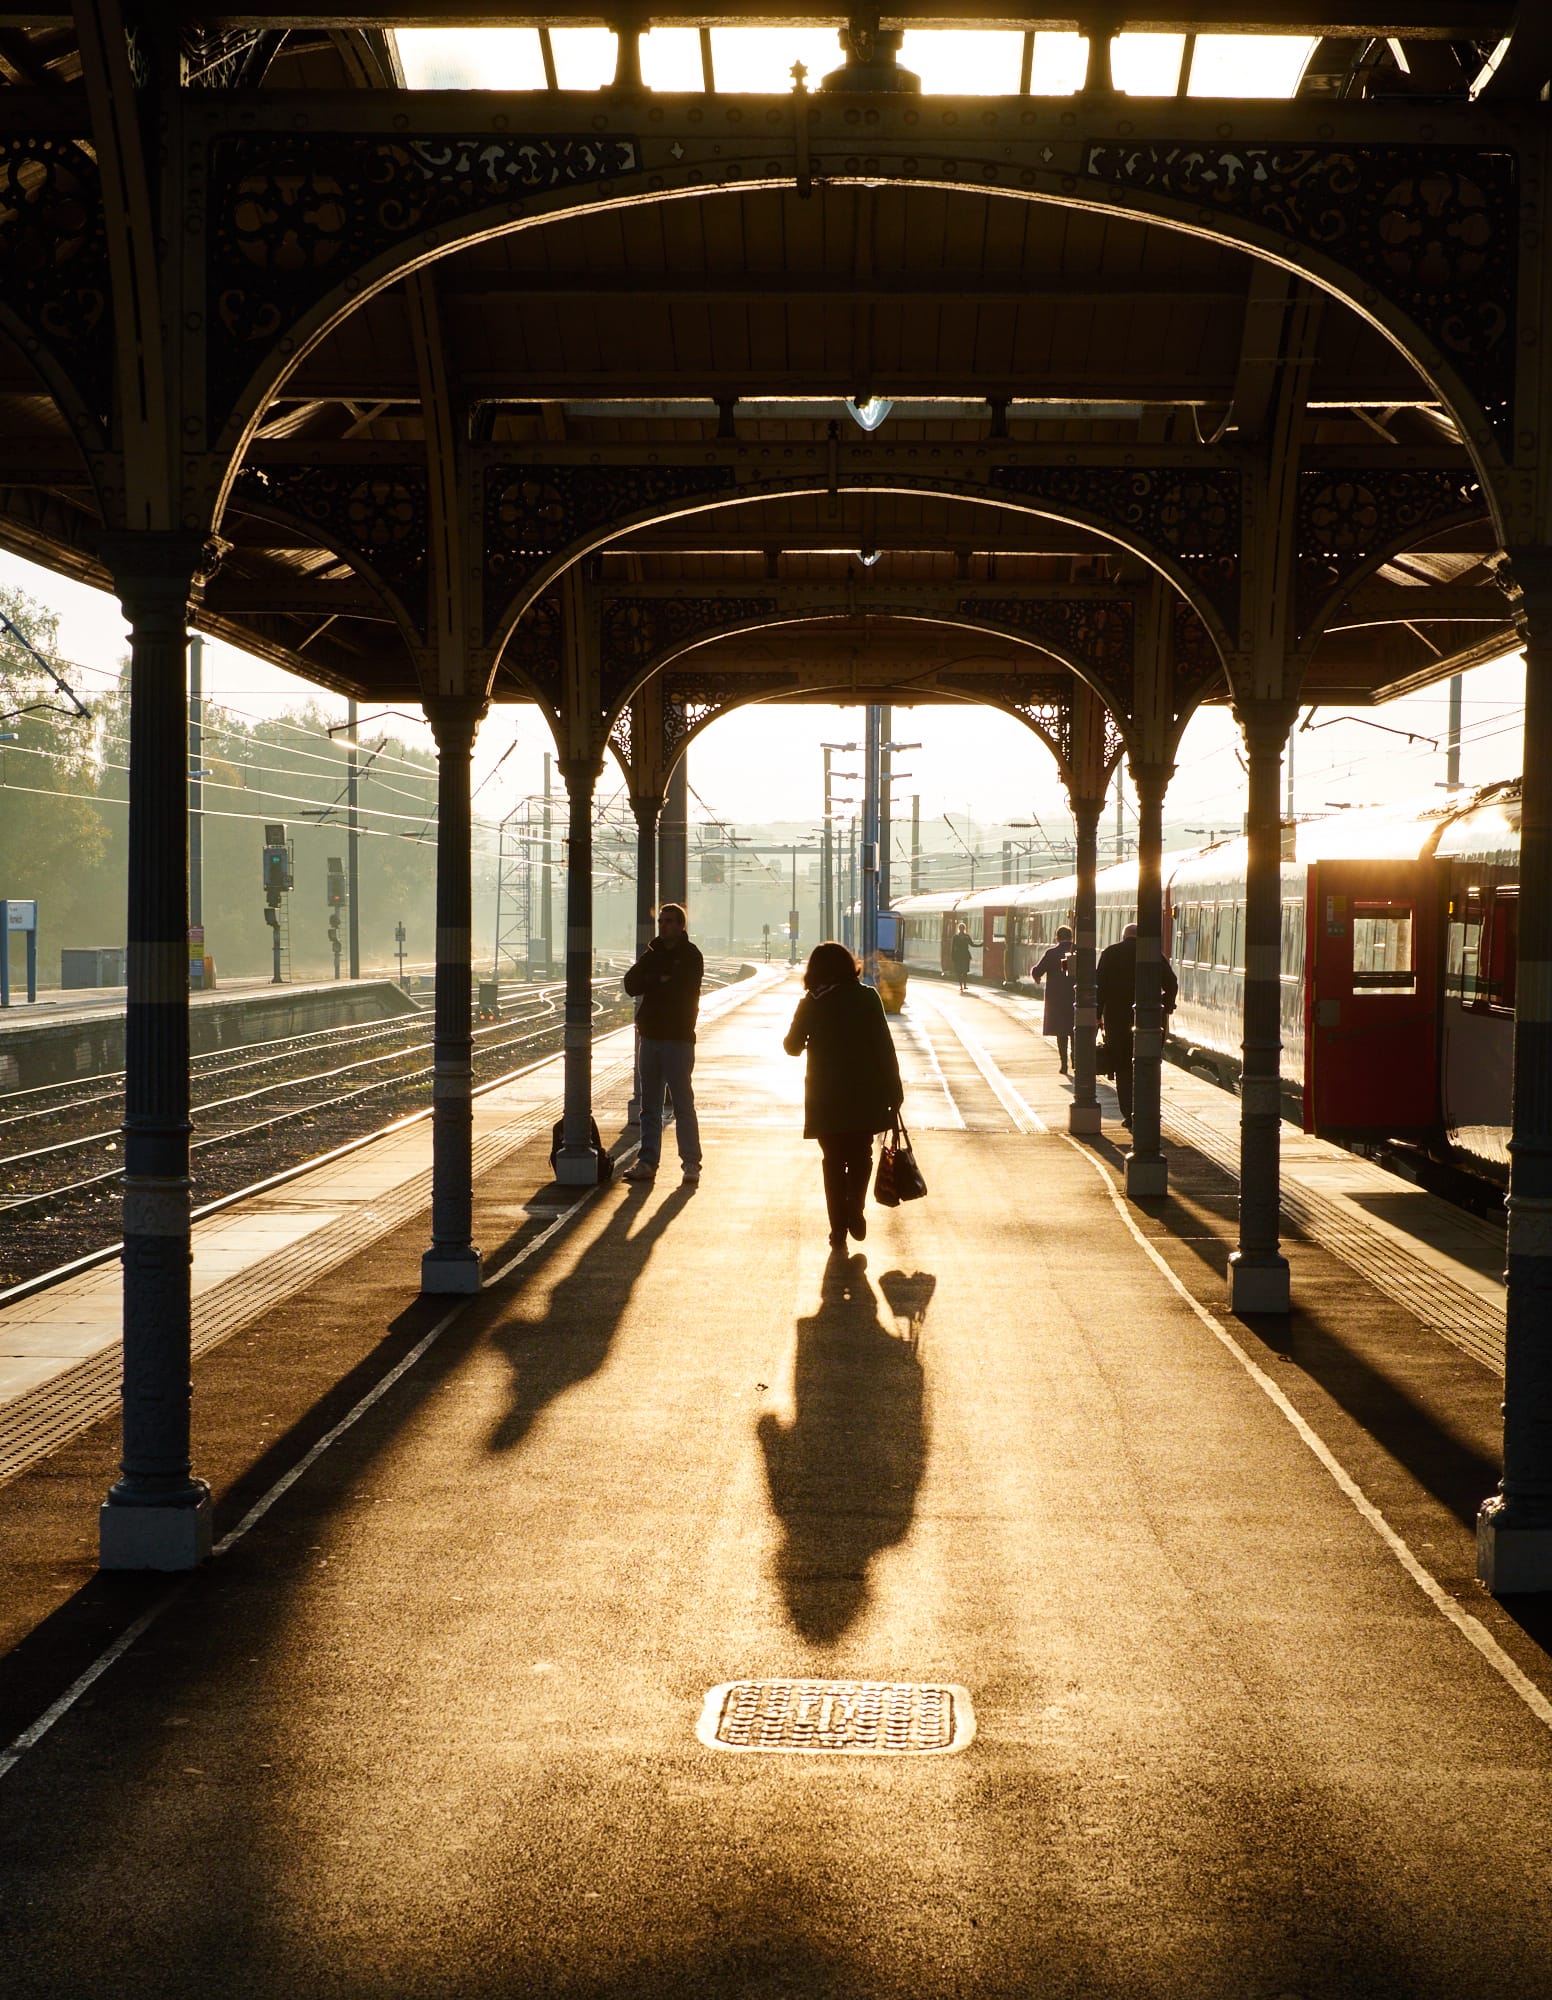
column 563, row 397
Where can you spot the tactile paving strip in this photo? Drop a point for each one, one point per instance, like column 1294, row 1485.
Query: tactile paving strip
column 858, row 1718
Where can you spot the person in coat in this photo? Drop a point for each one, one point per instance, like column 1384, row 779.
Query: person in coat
column 853, row 1087
column 666, row 980
column 1056, row 969
column 959, row 956
column 1116, row 977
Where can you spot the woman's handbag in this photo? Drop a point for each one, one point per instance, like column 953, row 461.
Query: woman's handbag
column 1104, row 1061
column 898, row 1178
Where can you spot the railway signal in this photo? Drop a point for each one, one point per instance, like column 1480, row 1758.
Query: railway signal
column 277, row 883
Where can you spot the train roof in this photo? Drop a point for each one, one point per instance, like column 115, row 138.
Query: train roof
column 1488, row 829
column 929, row 904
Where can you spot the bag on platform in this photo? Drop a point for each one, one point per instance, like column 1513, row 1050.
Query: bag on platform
column 1104, row 1061
column 605, row 1162
column 898, row 1178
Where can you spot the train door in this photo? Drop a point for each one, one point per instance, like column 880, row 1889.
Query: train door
column 994, row 948
column 1372, row 1005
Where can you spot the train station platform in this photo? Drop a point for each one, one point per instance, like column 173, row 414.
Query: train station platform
column 473, row 1699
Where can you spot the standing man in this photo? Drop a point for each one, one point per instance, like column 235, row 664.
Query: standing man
column 959, row 955
column 1116, row 978
column 667, row 981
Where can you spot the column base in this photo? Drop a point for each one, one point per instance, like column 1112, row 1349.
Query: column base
column 1261, row 1287
column 450, row 1271
column 1147, row 1176
column 1084, row 1121
column 1511, row 1561
column 576, row 1167
column 160, row 1538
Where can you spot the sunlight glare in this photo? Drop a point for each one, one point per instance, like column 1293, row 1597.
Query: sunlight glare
column 671, row 59
column 584, row 57
column 1060, row 65
column 1146, row 65
column 762, row 58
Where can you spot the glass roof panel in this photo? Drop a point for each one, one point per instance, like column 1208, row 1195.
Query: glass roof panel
column 471, row 58
column 762, row 58
column 967, row 61
column 1147, row 65
column 671, row 60
column 1249, row 65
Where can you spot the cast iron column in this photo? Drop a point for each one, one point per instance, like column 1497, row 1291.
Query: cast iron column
column 157, row 1516
column 577, row 1164
column 1258, row 1271
column 1147, row 1171
column 1083, row 1113
column 674, row 837
column 452, row 1264
column 1514, row 1527
column 647, row 811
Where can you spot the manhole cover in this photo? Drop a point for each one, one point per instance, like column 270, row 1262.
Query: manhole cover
column 862, row 1718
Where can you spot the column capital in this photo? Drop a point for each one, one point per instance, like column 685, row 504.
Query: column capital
column 581, row 774
column 1530, row 591
column 152, row 565
column 647, row 806
column 1265, row 723
column 1086, row 809
column 455, row 720
column 1151, row 781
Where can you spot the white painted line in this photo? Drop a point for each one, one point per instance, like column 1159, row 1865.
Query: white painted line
column 35, row 1731
column 922, row 1041
column 1024, row 1118
column 1471, row 1629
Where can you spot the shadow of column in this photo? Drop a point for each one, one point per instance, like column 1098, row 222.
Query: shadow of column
column 844, row 1474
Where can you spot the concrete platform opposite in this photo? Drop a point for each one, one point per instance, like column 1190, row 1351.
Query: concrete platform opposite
column 1243, row 1725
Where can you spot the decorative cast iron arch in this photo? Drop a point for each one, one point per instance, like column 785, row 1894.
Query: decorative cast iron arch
column 1430, row 232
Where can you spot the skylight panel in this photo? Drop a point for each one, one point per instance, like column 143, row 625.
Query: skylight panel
column 1061, row 63
column 471, row 58
column 762, row 58
column 671, row 60
column 1249, row 65
column 965, row 61
column 585, row 58
column 1146, row 65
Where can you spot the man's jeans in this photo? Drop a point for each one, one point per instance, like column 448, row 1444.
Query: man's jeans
column 670, row 1064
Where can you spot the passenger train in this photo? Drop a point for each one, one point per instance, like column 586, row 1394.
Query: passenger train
column 1399, row 951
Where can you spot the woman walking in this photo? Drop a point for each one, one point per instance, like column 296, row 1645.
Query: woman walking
column 853, row 1086
column 1056, row 969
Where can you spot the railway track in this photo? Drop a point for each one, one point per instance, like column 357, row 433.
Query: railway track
column 60, row 1156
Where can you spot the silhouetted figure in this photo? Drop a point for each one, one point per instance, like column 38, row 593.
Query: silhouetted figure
column 1116, row 977
column 853, row 1087
column 1056, row 969
column 667, row 981
column 959, row 955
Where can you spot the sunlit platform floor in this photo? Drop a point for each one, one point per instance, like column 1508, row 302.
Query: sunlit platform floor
column 1245, row 1726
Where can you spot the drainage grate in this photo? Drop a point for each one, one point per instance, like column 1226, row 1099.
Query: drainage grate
column 862, row 1718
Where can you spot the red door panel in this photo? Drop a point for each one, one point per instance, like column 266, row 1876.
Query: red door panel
column 1373, row 1020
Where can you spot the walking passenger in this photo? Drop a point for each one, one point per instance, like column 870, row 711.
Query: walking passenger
column 853, row 1086
column 959, row 955
column 667, row 980
column 1056, row 969
column 1116, row 977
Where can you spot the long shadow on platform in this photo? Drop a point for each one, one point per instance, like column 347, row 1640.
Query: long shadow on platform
column 573, row 1339
column 844, row 1474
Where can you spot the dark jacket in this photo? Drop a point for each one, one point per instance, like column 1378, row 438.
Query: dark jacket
column 959, row 949
column 1116, row 977
column 853, row 1082
column 668, row 980
column 1056, row 969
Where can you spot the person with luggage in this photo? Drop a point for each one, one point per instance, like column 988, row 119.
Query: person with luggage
column 853, row 1086
column 1056, row 969
column 666, row 979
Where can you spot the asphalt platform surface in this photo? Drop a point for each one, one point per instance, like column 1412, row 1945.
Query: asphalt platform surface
column 429, row 1726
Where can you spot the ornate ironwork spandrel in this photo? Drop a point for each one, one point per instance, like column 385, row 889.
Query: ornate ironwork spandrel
column 1197, row 661
column 378, row 513
column 1096, row 632
column 1433, row 228
column 532, row 512
column 691, row 699
column 295, row 215
column 54, row 261
column 1193, row 518
column 638, row 629
column 1345, row 518
column 537, row 647
column 1044, row 701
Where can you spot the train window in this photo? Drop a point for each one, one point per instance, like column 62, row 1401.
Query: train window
column 1223, row 936
column 1239, row 938
column 1293, row 940
column 1463, row 949
column 999, row 929
column 1501, row 953
column 1382, row 947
